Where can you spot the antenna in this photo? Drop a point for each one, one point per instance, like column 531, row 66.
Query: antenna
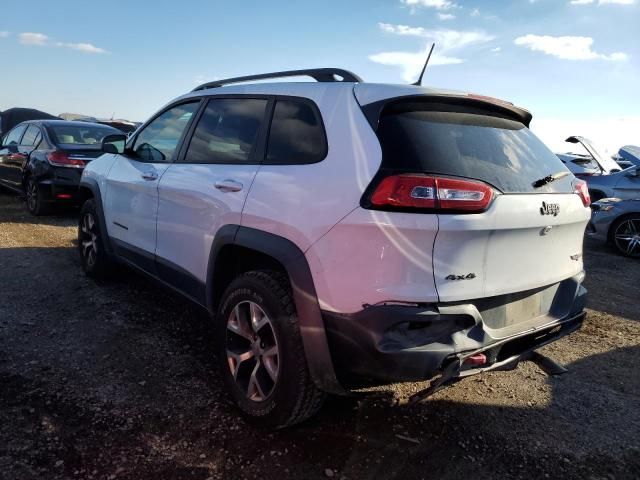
column 419, row 82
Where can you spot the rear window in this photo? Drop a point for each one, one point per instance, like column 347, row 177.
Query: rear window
column 79, row 135
column 499, row 151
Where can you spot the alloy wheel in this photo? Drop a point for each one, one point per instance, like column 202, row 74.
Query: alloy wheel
column 627, row 237
column 32, row 195
column 252, row 351
column 89, row 239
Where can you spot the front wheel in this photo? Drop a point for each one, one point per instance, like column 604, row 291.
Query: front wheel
column 95, row 261
column 260, row 350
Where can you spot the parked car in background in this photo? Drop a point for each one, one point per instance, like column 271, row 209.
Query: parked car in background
column 593, row 162
column 624, row 184
column 343, row 233
column 629, row 156
column 618, row 222
column 13, row 116
column 45, row 158
column 580, row 165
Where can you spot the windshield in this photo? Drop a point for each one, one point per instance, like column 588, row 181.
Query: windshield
column 79, row 134
column 501, row 152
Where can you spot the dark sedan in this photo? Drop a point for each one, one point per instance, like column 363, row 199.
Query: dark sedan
column 45, row 158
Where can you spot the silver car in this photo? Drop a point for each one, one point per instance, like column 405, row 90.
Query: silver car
column 624, row 185
column 618, row 222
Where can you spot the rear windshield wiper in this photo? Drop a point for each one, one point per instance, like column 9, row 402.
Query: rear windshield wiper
column 549, row 178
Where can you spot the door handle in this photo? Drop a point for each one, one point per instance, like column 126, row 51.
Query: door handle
column 228, row 186
column 150, row 175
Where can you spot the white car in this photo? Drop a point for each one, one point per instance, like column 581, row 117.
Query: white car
column 342, row 233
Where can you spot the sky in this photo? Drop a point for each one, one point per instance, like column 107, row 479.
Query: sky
column 575, row 64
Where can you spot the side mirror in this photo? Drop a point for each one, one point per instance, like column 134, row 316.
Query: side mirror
column 114, row 143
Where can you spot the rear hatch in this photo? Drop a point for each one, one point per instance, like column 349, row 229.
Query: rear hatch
column 530, row 233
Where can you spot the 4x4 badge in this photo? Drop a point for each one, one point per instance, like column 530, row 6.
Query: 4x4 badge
column 550, row 209
column 468, row 276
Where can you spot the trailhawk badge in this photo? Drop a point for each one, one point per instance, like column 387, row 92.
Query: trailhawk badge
column 550, row 209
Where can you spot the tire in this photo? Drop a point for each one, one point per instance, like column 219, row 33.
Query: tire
column 95, row 261
column 264, row 367
column 625, row 235
column 35, row 204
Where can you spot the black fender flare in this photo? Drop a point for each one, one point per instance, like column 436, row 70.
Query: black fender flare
column 287, row 253
column 92, row 185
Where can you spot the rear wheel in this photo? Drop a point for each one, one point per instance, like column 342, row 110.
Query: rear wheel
column 95, row 261
column 626, row 235
column 35, row 203
column 261, row 356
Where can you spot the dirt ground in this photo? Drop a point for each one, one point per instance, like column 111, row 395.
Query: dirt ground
column 117, row 381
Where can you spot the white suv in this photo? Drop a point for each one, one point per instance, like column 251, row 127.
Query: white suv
column 344, row 234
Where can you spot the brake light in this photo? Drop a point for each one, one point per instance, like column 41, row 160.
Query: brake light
column 62, row 159
column 580, row 187
column 417, row 191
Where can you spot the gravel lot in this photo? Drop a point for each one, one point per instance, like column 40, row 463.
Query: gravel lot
column 117, row 380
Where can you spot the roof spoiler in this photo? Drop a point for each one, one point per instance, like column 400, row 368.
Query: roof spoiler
column 492, row 105
column 318, row 74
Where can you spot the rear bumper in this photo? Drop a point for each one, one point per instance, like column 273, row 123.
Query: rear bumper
column 61, row 185
column 391, row 343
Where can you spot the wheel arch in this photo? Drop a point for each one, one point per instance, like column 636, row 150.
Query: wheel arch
column 89, row 189
column 237, row 249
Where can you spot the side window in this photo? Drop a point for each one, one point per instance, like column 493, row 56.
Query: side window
column 31, row 136
column 297, row 134
column 227, row 131
column 13, row 137
column 158, row 141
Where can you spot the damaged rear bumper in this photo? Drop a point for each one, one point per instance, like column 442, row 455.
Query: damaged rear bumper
column 392, row 343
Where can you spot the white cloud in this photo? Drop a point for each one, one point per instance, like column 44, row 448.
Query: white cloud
column 42, row 40
column 4, row 34
column 82, row 47
column 566, row 47
column 447, row 43
column 475, row 12
column 446, row 16
column 30, row 38
column 437, row 4
column 496, row 49
column 602, row 2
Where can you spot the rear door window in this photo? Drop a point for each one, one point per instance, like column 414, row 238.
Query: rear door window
column 227, row 132
column 158, row 141
column 297, row 134
column 499, row 151
column 31, row 136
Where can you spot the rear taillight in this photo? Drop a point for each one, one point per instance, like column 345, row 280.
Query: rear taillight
column 62, row 159
column 415, row 191
column 580, row 187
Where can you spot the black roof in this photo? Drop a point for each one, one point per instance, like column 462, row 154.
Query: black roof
column 70, row 123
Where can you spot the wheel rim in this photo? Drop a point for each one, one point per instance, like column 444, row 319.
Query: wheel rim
column 252, row 351
column 89, row 239
column 627, row 237
column 32, row 195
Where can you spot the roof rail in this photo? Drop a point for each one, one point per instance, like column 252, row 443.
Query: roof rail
column 318, row 74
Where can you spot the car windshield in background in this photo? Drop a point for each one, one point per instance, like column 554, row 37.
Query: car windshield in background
column 501, row 152
column 79, row 135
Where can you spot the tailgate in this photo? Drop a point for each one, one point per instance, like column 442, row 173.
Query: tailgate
column 511, row 247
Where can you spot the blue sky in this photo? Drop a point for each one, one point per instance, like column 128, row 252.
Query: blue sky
column 574, row 64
